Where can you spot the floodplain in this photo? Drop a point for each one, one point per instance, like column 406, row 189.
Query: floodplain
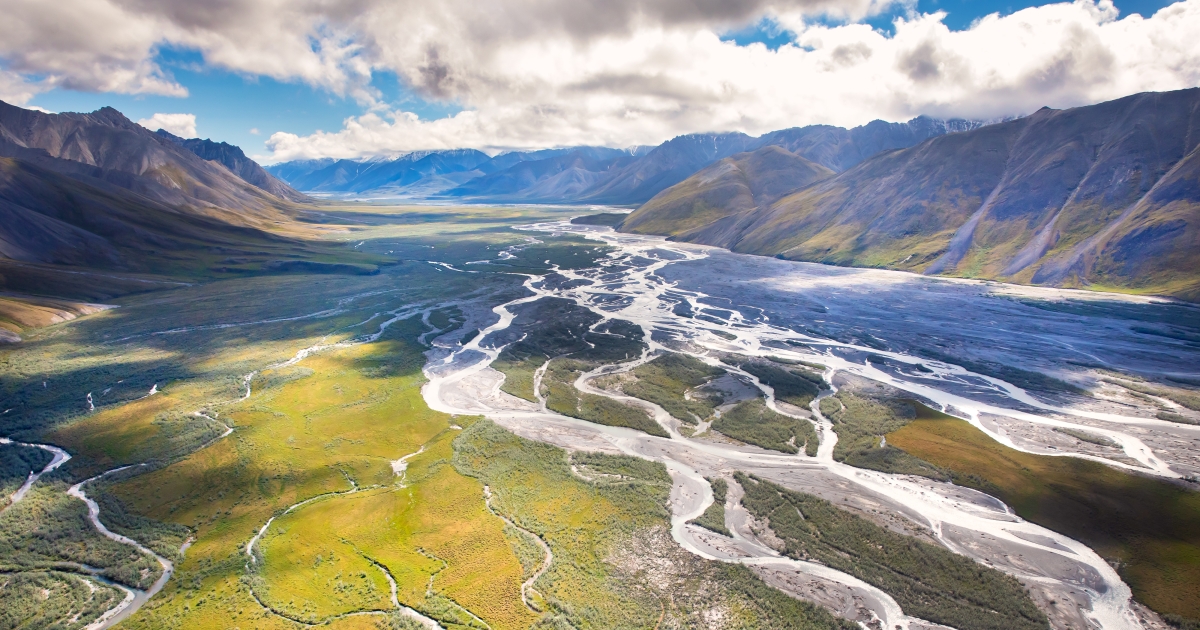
column 518, row 421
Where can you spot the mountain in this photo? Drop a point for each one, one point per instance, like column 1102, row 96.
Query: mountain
column 86, row 200
column 292, row 171
column 235, row 160
column 599, row 175
column 105, row 145
column 551, row 175
column 839, row 149
column 1104, row 196
column 377, row 173
column 734, row 185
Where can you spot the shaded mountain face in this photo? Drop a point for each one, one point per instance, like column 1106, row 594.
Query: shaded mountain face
column 1105, row 195
column 732, row 186
column 235, row 160
column 87, row 192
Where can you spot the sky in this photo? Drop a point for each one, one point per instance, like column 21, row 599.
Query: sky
column 293, row 79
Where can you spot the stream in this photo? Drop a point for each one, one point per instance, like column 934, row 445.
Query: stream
column 632, row 284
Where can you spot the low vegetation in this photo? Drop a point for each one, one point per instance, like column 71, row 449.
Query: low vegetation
column 1145, row 526
column 752, row 422
column 713, row 518
column 668, row 381
column 1086, row 436
column 615, row 565
column 928, row 581
column 794, row 385
column 53, row 599
column 862, row 421
column 562, row 397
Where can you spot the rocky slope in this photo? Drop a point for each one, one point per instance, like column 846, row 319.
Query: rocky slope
column 234, row 159
column 1101, row 196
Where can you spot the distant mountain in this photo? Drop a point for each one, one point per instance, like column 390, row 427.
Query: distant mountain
column 599, row 175
column 734, row 185
column 291, row 172
column 552, row 175
column 235, row 160
column 1106, row 195
column 356, row 176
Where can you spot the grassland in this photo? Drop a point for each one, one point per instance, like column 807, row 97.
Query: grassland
column 561, row 396
column 1145, row 526
column 615, row 565
column 340, row 415
column 927, row 581
column 752, row 422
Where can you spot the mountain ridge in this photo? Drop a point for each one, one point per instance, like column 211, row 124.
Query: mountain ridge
column 606, row 176
column 1102, row 196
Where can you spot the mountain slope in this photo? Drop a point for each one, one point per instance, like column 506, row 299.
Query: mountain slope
column 106, row 145
column 732, row 186
column 1105, row 195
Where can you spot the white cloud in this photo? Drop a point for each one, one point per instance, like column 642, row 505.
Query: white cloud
column 182, row 125
column 534, row 73
column 254, row 131
column 653, row 83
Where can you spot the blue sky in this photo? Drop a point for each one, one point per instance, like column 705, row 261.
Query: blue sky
column 228, row 106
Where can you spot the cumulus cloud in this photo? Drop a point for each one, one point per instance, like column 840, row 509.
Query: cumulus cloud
column 182, row 125
column 536, row 73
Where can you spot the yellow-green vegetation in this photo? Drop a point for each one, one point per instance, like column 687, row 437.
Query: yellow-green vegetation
column 1143, row 525
column 353, row 411
column 713, row 517
column 928, row 581
column 52, row 599
column 615, row 565
column 862, row 421
column 752, row 422
column 669, row 381
column 449, row 555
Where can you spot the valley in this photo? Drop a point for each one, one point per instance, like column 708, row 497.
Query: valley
column 369, row 415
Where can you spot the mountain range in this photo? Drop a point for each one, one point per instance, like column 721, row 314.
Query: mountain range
column 593, row 175
column 1102, row 196
column 81, row 193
